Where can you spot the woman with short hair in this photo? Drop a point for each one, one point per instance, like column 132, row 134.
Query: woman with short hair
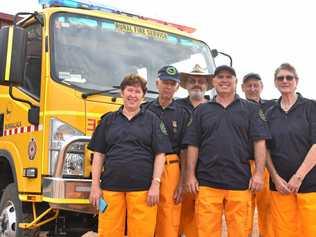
column 292, row 122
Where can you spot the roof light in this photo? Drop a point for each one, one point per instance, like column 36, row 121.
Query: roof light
column 86, row 4
column 179, row 27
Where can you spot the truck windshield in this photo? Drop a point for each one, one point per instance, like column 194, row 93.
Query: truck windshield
column 91, row 53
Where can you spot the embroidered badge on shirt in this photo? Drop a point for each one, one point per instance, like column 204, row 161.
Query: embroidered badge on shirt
column 174, row 125
column 163, row 128
column 262, row 116
column 189, row 122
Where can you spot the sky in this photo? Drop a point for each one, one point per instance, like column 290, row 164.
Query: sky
column 259, row 35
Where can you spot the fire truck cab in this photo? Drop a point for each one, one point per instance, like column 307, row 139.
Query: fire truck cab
column 60, row 70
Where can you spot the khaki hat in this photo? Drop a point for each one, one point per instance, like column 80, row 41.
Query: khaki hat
column 196, row 71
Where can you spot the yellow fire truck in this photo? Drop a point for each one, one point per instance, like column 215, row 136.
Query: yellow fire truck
column 59, row 72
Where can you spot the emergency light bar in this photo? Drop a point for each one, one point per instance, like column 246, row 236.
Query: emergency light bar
column 86, row 4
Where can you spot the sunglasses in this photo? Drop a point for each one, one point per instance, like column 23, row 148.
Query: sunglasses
column 198, row 81
column 288, row 78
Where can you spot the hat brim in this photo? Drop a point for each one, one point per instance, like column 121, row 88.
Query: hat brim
column 165, row 78
column 185, row 75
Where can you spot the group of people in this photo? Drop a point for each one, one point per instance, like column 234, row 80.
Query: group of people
column 173, row 167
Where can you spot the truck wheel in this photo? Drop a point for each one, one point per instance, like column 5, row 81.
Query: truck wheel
column 11, row 214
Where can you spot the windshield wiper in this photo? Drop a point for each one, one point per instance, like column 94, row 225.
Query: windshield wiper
column 153, row 92
column 97, row 92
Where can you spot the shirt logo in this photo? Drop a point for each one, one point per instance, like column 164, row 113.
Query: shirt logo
column 262, row 116
column 163, row 128
column 189, row 122
column 174, row 125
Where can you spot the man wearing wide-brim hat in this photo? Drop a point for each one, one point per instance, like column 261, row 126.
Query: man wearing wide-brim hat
column 197, row 82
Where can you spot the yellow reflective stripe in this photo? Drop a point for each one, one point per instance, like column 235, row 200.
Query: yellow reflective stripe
column 9, row 54
column 97, row 115
column 62, row 112
column 66, row 201
column 76, row 113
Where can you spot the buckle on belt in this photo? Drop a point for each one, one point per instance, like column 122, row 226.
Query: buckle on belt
column 169, row 162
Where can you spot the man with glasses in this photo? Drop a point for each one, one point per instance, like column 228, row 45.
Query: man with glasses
column 252, row 86
column 197, row 82
column 224, row 134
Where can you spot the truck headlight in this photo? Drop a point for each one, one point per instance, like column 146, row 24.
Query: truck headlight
column 74, row 161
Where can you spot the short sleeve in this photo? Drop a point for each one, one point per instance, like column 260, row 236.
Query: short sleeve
column 187, row 120
column 193, row 131
column 160, row 138
column 312, row 121
column 98, row 141
column 258, row 124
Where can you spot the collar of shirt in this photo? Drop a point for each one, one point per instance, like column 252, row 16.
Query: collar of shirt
column 261, row 101
column 236, row 99
column 300, row 100
column 170, row 106
column 120, row 112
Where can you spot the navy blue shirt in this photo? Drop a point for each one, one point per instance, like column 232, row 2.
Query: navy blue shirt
column 225, row 138
column 129, row 147
column 175, row 119
column 293, row 133
column 264, row 104
column 186, row 103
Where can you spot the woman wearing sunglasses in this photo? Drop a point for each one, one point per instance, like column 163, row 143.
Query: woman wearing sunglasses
column 292, row 158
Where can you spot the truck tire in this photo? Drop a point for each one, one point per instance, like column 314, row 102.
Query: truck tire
column 11, row 214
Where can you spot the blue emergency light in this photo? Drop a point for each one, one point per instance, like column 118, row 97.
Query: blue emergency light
column 85, row 4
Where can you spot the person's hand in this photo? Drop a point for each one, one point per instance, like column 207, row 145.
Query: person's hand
column 256, row 182
column 281, row 185
column 192, row 185
column 295, row 183
column 95, row 195
column 177, row 196
column 153, row 194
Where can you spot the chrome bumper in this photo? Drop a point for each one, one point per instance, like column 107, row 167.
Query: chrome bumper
column 66, row 193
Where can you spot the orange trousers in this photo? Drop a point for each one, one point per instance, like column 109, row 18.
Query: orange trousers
column 293, row 215
column 187, row 222
column 261, row 201
column 141, row 219
column 168, row 218
column 210, row 205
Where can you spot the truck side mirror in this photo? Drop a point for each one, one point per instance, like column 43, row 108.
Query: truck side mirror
column 13, row 41
column 4, row 32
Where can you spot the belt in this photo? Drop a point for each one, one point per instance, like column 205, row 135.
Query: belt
column 169, row 162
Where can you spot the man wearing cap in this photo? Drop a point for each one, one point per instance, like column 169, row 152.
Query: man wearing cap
column 224, row 134
column 197, row 82
column 175, row 119
column 252, row 86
